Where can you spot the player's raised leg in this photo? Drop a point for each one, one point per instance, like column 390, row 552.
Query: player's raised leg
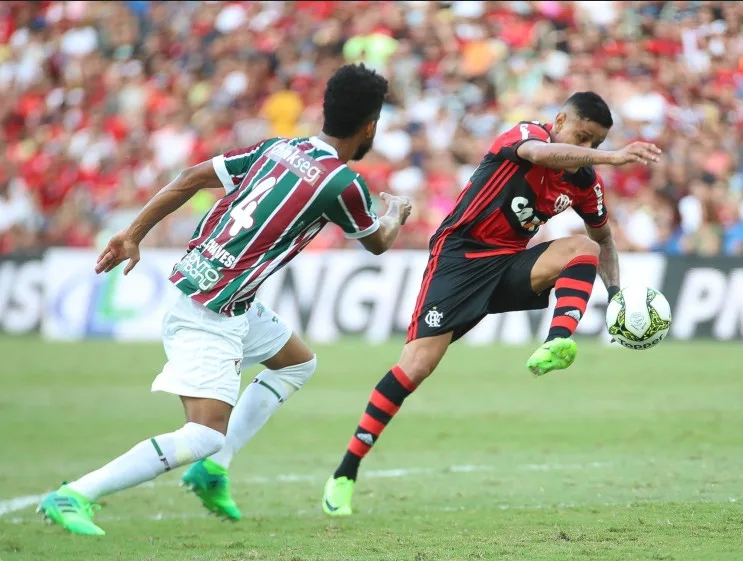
column 419, row 359
column 71, row 506
column 570, row 265
column 289, row 365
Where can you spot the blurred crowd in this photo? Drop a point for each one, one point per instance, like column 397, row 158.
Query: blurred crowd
column 105, row 102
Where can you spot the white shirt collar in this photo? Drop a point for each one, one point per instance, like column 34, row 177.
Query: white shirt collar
column 322, row 145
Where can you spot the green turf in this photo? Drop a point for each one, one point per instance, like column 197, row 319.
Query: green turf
column 627, row 455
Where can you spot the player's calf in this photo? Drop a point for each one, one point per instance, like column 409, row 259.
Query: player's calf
column 286, row 373
column 150, row 458
column 570, row 265
column 573, row 289
column 71, row 505
column 418, row 361
column 261, row 398
column 574, row 285
column 577, row 259
column 385, row 401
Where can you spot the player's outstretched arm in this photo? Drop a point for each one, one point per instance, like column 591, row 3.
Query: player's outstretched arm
column 125, row 244
column 568, row 156
column 398, row 210
column 608, row 257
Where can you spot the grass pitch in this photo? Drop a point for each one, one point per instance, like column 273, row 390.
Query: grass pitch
column 627, row 455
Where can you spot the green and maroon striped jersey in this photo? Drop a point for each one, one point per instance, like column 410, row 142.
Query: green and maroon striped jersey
column 279, row 195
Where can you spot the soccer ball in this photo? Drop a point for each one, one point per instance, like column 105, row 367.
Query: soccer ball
column 638, row 317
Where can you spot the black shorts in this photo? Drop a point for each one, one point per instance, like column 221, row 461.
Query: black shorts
column 457, row 292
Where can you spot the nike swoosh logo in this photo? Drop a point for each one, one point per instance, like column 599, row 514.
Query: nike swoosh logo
column 330, row 507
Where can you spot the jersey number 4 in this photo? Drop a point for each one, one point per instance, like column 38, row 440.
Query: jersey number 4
column 242, row 213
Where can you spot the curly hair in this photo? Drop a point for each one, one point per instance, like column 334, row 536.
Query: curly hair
column 591, row 106
column 353, row 97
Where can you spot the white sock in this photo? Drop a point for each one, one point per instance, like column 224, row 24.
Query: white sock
column 150, row 458
column 258, row 402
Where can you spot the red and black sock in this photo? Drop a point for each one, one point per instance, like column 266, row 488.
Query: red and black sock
column 573, row 289
column 384, row 402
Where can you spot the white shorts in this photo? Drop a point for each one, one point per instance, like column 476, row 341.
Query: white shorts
column 207, row 351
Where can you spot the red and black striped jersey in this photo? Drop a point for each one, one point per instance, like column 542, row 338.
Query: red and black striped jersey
column 508, row 198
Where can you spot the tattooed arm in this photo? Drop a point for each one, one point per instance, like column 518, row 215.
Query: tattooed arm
column 568, row 156
column 608, row 258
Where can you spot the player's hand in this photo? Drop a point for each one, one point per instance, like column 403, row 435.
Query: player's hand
column 401, row 204
column 119, row 248
column 637, row 152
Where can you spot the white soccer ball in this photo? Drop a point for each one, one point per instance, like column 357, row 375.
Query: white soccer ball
column 638, row 317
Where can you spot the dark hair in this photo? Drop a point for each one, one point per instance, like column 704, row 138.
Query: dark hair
column 353, row 97
column 591, row 106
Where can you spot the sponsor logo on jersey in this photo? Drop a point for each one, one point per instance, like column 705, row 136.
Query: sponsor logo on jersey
column 525, row 214
column 308, row 169
column 433, row 318
column 197, row 268
column 218, row 252
column 599, row 199
column 562, row 203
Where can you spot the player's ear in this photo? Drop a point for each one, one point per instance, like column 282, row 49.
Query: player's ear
column 370, row 129
column 560, row 120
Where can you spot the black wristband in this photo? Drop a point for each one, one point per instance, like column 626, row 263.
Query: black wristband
column 612, row 290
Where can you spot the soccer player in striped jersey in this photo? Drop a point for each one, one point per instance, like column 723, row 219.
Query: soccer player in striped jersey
column 277, row 195
column 480, row 262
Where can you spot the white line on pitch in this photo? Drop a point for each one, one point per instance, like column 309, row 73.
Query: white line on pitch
column 19, row 503
column 304, row 513
column 403, row 472
column 160, row 516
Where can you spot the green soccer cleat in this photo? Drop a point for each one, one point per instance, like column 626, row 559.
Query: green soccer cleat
column 336, row 499
column 70, row 510
column 557, row 354
column 209, row 481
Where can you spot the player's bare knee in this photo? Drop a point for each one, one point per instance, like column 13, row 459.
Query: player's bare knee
column 293, row 353
column 215, row 422
column 210, row 413
column 420, row 357
column 417, row 371
column 418, row 362
column 580, row 245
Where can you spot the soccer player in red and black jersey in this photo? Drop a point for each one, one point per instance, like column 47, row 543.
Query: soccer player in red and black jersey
column 480, row 264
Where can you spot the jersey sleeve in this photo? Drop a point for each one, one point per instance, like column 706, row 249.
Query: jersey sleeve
column 507, row 143
column 232, row 166
column 590, row 205
column 352, row 211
